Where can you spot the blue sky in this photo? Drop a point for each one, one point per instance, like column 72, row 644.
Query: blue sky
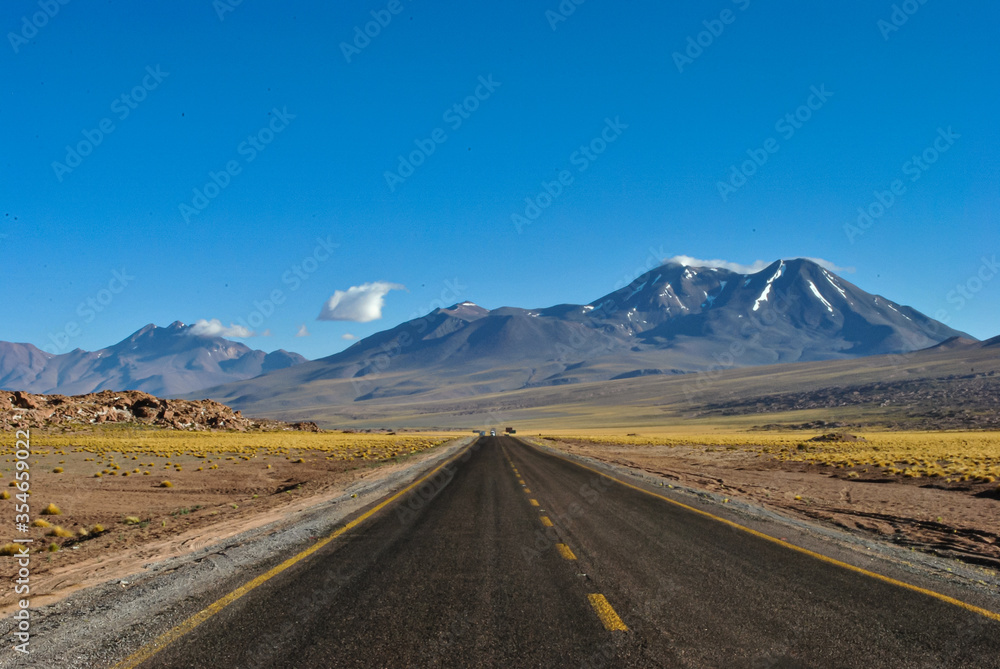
column 328, row 122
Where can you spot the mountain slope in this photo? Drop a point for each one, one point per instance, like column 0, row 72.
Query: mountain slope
column 673, row 319
column 167, row 361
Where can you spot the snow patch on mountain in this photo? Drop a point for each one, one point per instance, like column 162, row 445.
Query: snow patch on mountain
column 815, row 291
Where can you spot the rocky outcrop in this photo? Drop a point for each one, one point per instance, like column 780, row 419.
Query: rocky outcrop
column 20, row 410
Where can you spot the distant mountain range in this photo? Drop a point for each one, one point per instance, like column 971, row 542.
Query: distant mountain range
column 168, row 361
column 671, row 320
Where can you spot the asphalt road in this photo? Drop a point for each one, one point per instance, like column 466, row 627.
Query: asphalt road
column 466, row 571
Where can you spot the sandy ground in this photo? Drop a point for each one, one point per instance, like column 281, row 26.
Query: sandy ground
column 200, row 509
column 960, row 521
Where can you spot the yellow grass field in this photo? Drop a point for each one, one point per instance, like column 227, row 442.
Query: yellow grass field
column 954, row 456
column 107, row 446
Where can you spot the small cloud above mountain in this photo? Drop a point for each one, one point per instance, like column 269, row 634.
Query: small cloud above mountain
column 360, row 304
column 303, row 331
column 215, row 328
column 753, row 268
column 827, row 265
column 348, row 336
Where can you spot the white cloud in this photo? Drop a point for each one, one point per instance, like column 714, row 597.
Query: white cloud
column 360, row 304
column 348, row 336
column 740, row 268
column 303, row 331
column 215, row 328
column 688, row 261
column 827, row 265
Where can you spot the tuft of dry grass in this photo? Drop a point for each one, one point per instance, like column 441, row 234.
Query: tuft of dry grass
column 166, row 484
column 41, row 522
column 4, row 495
column 10, row 549
column 132, row 520
column 58, row 531
column 57, row 470
column 51, row 510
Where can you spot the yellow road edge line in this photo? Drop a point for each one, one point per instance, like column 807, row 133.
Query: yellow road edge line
column 167, row 638
column 565, row 551
column 606, row 613
column 545, row 521
column 527, row 490
column 534, row 502
column 992, row 615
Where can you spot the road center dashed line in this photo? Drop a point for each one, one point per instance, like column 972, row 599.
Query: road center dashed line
column 606, row 613
column 565, row 551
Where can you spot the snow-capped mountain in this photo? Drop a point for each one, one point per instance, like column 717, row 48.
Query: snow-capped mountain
column 168, row 361
column 672, row 319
